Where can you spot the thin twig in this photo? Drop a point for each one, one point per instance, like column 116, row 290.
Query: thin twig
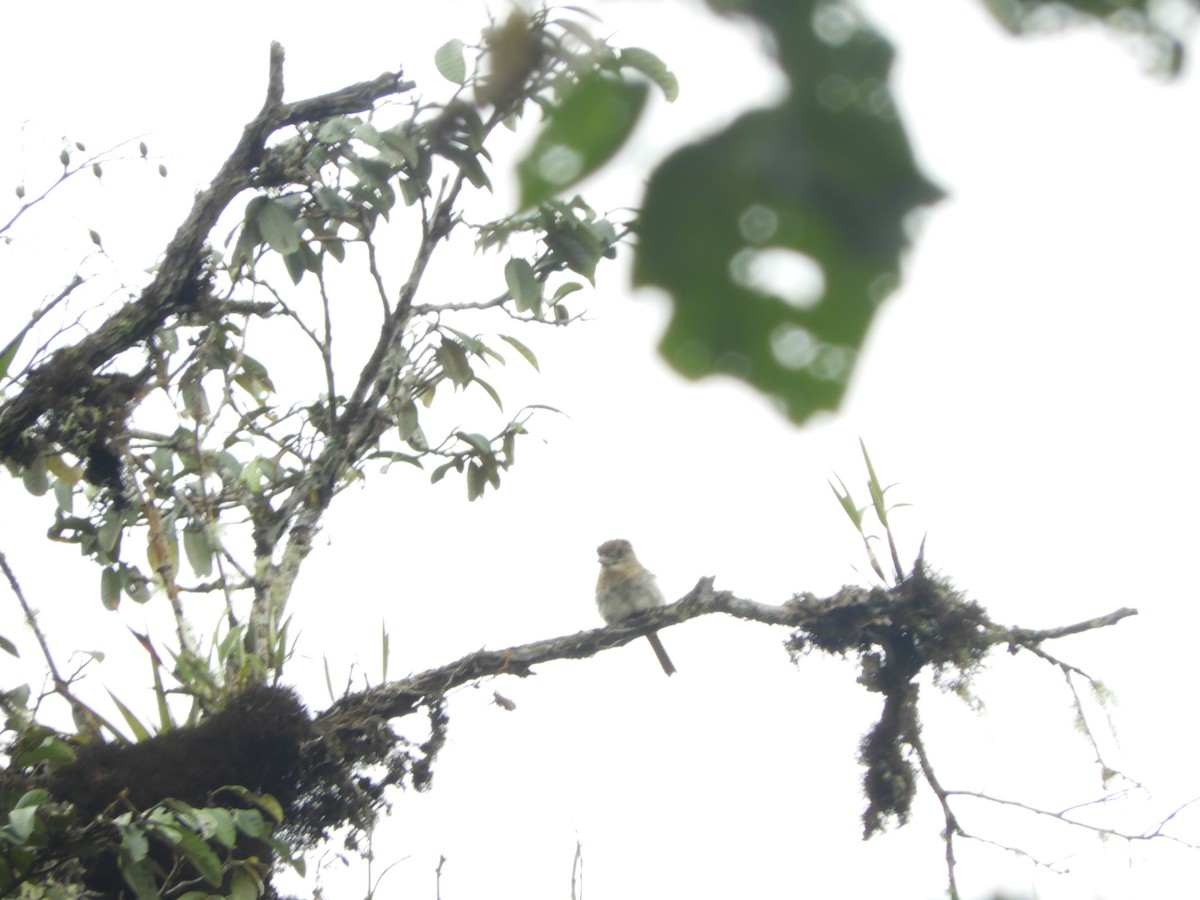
column 913, row 738
column 86, row 718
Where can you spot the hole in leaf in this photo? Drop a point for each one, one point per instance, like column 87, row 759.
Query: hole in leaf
column 794, row 278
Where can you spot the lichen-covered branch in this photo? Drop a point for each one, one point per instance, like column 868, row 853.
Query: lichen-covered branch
column 803, row 613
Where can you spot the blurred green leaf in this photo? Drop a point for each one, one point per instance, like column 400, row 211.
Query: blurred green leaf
column 136, row 586
column 407, row 421
column 140, row 732
column 523, row 284
column 1158, row 32
column 476, row 481
column 453, row 359
column 110, row 587
column 250, row 822
column 478, row 442
column 244, row 884
column 20, row 824
column 331, row 201
column 200, row 855
column 653, row 68
column 278, row 227
column 581, row 134
column 336, row 130
column 7, row 354
column 827, row 177
column 449, row 61
column 198, row 550
column 35, row 478
column 490, row 391
column 522, row 349
column 295, row 265
column 52, row 749
column 264, row 802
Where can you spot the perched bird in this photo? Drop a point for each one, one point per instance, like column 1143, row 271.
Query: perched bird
column 625, row 588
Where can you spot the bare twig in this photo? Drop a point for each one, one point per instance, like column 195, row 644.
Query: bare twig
column 1153, row 833
column 86, row 718
column 952, row 828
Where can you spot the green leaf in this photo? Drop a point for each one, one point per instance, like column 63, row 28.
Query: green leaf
column 195, row 401
column 491, row 392
column 36, row 797
column 331, row 201
column 250, row 822
column 653, row 68
column 134, row 841
column 848, row 505
column 252, row 475
column 453, row 359
column 577, row 246
column 264, row 802
column 111, row 588
column 21, row 822
column 198, row 550
column 245, row 885
column 140, row 732
column 64, row 496
column 51, row 749
column 138, row 876
column 407, row 421
column 523, row 284
column 35, row 478
column 833, row 184
column 201, row 856
column 522, row 349
column 10, row 350
column 478, row 442
column 395, row 456
column 136, row 586
column 278, row 227
column 566, row 288
column 109, row 532
column 9, row 647
column 253, row 378
column 476, row 481
column 582, row 133
column 296, row 266
column 449, row 61
column 336, row 130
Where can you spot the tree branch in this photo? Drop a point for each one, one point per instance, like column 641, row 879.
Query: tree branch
column 177, row 284
column 401, row 697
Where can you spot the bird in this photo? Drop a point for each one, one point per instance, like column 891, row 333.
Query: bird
column 625, row 588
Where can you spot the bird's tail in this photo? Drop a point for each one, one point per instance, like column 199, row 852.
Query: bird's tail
column 661, row 652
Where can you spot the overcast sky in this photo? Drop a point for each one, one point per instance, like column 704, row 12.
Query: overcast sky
column 1031, row 388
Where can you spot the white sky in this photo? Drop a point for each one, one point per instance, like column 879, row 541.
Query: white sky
column 1031, row 387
